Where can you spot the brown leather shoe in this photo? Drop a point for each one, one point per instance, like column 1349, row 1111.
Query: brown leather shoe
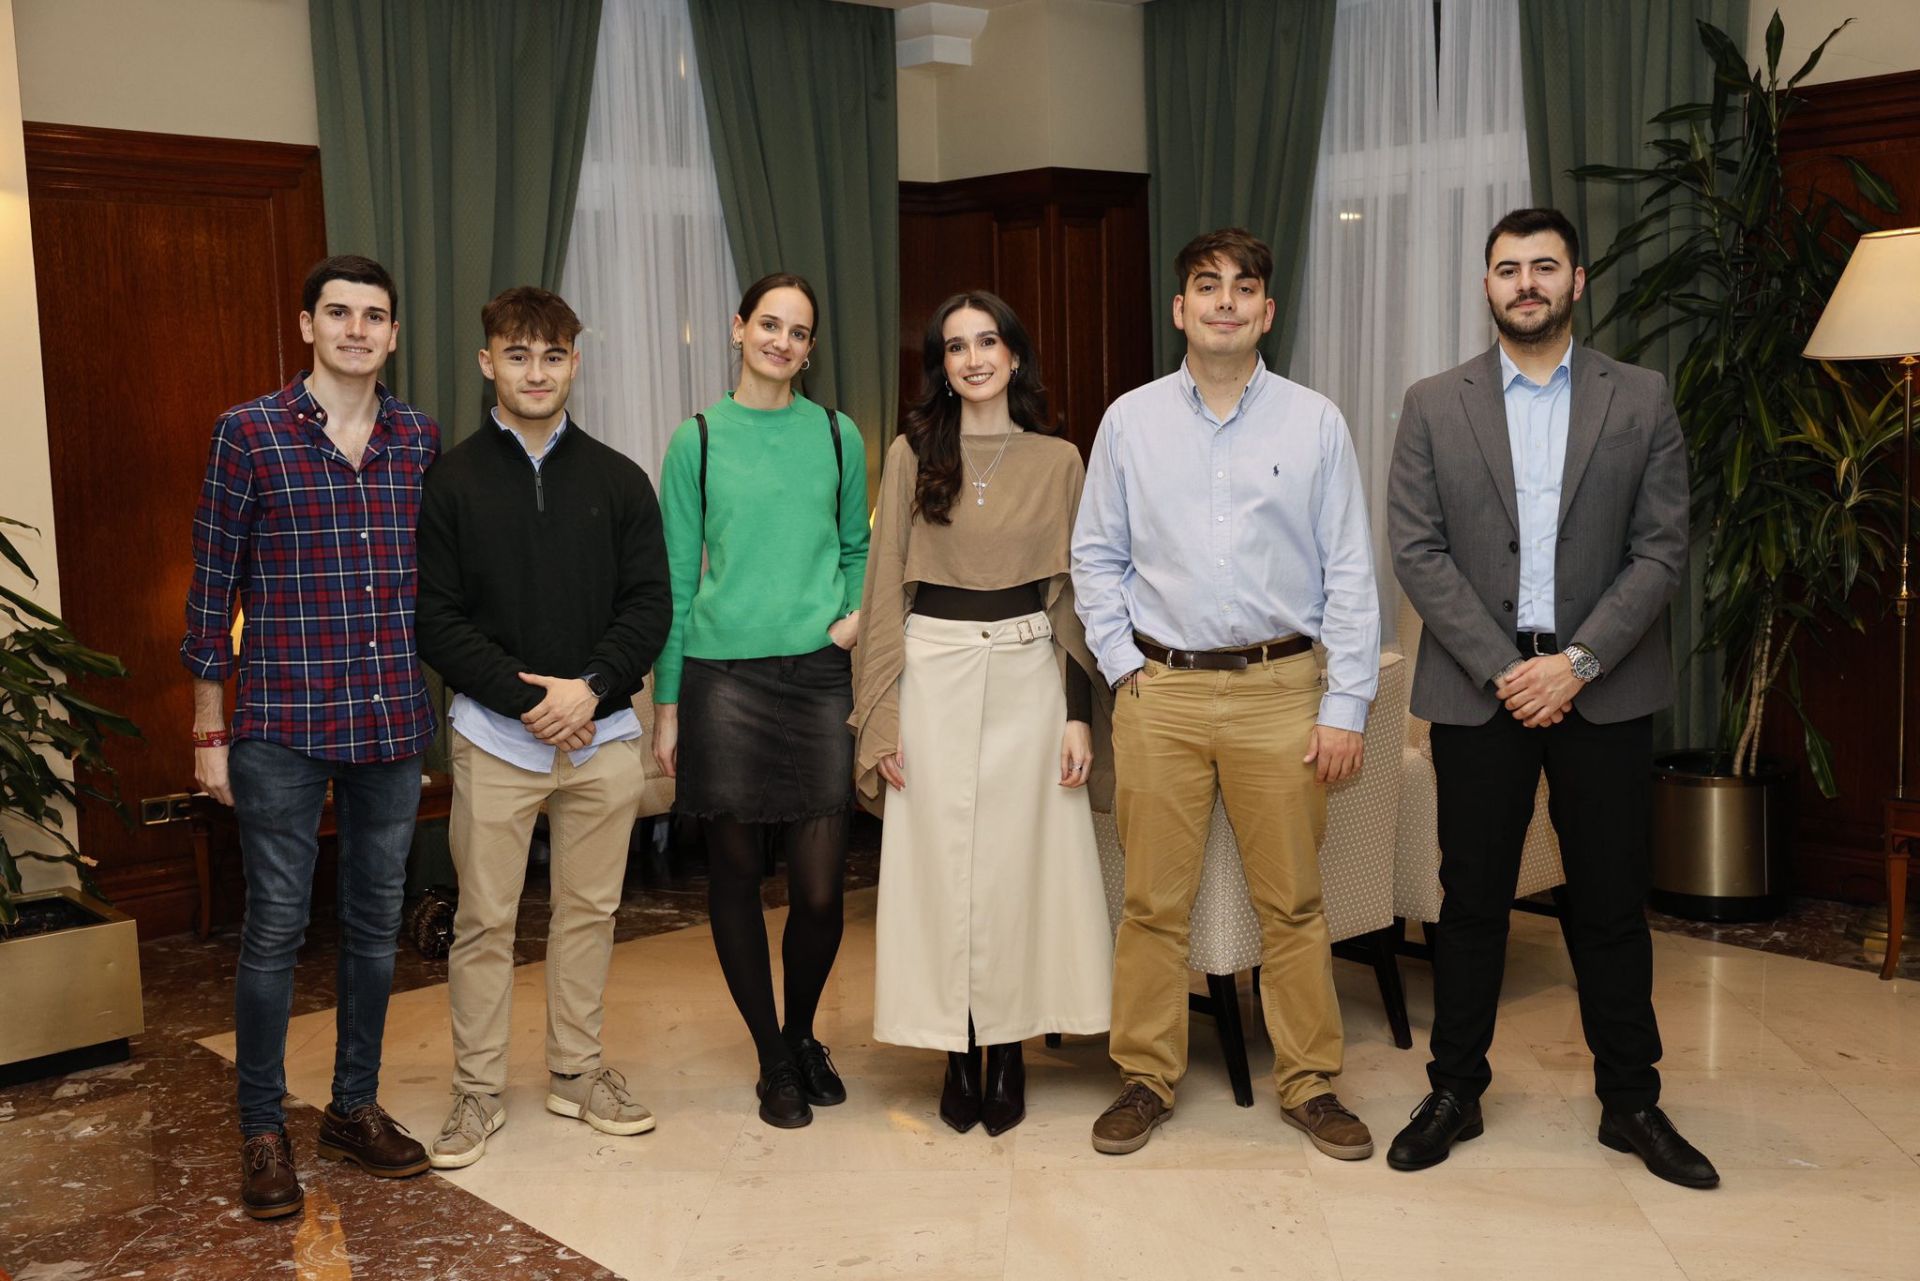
column 269, row 1186
column 371, row 1140
column 1128, row 1122
column 1331, row 1128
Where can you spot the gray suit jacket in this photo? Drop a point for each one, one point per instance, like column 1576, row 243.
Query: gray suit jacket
column 1453, row 523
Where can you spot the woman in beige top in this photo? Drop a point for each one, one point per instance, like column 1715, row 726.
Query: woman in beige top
column 973, row 711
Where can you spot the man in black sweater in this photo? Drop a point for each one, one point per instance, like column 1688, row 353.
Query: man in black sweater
column 544, row 600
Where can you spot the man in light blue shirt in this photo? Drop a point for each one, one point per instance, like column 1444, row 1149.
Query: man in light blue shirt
column 1222, row 532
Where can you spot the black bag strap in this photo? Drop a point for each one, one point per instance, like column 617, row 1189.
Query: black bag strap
column 839, row 466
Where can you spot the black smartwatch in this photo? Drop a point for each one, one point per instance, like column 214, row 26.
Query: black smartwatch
column 596, row 684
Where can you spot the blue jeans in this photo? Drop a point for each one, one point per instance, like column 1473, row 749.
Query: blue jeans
column 277, row 797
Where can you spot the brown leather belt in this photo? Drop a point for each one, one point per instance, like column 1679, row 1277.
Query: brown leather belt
column 1222, row 660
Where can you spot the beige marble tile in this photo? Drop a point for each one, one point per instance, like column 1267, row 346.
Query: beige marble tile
column 1478, row 1225
column 850, row 1224
column 887, row 1123
column 636, row 1224
column 1123, row 1223
column 1754, row 1121
column 1702, row 1028
column 1889, row 1098
column 1529, row 1123
column 1791, row 1225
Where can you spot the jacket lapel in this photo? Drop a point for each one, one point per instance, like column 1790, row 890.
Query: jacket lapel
column 1592, row 394
column 1484, row 402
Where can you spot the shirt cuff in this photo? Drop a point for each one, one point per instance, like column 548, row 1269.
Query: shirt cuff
column 1344, row 711
column 209, row 658
column 1121, row 658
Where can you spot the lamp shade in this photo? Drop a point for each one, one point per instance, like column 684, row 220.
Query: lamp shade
column 1874, row 313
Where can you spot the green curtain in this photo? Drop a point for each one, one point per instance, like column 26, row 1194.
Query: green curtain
column 450, row 141
column 1593, row 76
column 803, row 111
column 1235, row 93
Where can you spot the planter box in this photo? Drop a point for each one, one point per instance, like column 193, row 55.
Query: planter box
column 70, row 989
column 1722, row 846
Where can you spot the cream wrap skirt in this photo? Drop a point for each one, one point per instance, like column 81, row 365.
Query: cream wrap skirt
column 990, row 892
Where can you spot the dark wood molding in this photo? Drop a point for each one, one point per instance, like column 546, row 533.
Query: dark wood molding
column 1850, row 112
column 169, row 272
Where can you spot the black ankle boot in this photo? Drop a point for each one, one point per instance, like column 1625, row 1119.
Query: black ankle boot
column 1004, row 1100
column 960, row 1098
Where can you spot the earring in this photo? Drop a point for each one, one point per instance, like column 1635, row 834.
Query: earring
column 736, row 344
column 806, row 364
column 949, row 387
column 1015, row 373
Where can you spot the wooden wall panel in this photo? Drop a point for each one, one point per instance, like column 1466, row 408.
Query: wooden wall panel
column 169, row 272
column 1849, row 678
column 1067, row 249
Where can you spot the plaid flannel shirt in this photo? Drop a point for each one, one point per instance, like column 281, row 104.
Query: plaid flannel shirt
column 322, row 559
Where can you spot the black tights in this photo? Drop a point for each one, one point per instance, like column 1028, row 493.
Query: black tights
column 816, row 854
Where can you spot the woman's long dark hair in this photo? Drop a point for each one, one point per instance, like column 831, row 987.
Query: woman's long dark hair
column 933, row 421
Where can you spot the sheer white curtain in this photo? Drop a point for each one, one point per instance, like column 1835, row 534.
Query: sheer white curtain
column 1421, row 152
column 648, row 268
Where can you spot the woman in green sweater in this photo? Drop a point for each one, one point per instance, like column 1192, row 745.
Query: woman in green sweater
column 772, row 488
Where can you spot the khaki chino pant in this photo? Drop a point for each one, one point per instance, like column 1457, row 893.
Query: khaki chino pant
column 1245, row 731
column 591, row 810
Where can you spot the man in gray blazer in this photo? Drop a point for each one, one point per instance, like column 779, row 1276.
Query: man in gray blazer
column 1537, row 514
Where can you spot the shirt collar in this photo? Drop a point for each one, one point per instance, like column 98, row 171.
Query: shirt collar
column 1510, row 371
column 1195, row 400
column 552, row 440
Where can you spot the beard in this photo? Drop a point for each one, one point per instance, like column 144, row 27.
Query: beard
column 1550, row 322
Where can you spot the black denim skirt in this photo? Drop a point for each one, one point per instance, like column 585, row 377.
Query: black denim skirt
column 765, row 740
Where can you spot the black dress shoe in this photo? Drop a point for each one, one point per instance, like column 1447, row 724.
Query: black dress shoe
column 1442, row 1119
column 823, row 1085
column 1003, row 1103
column 960, row 1097
column 783, row 1099
column 1651, row 1137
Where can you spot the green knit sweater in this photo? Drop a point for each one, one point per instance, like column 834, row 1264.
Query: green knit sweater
column 778, row 572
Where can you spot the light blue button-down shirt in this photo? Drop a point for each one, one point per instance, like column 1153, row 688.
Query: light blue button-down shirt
column 1537, row 433
column 1210, row 533
column 507, row 738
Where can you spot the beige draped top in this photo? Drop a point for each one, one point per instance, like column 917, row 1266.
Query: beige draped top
column 1021, row 534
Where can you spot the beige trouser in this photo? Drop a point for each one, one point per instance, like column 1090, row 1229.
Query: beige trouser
column 590, row 814
column 1245, row 731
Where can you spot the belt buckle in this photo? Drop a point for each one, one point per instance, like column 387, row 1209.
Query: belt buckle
column 1533, row 640
column 1026, row 630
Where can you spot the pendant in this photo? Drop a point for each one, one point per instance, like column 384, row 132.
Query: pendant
column 980, row 501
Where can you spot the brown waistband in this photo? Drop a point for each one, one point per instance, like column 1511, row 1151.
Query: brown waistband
column 1222, row 660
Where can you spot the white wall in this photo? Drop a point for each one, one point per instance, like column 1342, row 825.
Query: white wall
column 212, row 68
column 1884, row 38
column 26, row 481
column 1053, row 83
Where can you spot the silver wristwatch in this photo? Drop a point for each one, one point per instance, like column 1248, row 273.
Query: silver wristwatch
column 1585, row 665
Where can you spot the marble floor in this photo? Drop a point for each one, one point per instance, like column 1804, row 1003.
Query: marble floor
column 1801, row 1079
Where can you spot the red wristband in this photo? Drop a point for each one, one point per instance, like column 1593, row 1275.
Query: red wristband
column 211, row 738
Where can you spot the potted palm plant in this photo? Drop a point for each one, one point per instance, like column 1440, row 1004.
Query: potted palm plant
column 69, row 963
column 1791, row 503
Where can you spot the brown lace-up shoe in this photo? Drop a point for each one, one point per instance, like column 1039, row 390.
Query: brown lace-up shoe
column 1128, row 1122
column 371, row 1140
column 269, row 1186
column 1331, row 1128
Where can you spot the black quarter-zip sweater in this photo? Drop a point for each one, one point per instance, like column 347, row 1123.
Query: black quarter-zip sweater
column 557, row 572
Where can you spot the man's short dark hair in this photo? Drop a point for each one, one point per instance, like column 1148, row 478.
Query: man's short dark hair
column 351, row 268
column 1236, row 245
column 532, row 313
column 1531, row 222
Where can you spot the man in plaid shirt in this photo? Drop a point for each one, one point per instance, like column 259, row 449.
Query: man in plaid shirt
column 306, row 523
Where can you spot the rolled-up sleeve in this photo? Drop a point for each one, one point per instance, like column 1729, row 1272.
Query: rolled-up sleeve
column 222, row 524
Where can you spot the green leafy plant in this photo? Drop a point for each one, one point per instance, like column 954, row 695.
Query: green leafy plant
column 1789, row 486
column 40, row 714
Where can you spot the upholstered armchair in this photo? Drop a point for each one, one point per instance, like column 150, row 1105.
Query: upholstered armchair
column 1356, row 874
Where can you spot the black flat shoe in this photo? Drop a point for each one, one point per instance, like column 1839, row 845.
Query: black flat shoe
column 1442, row 1119
column 1650, row 1136
column 960, row 1096
column 783, row 1099
column 823, row 1085
column 1003, row 1103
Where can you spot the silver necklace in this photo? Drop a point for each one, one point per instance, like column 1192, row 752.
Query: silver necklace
column 982, row 479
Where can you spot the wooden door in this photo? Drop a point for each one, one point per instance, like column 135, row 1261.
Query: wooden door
column 168, row 271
